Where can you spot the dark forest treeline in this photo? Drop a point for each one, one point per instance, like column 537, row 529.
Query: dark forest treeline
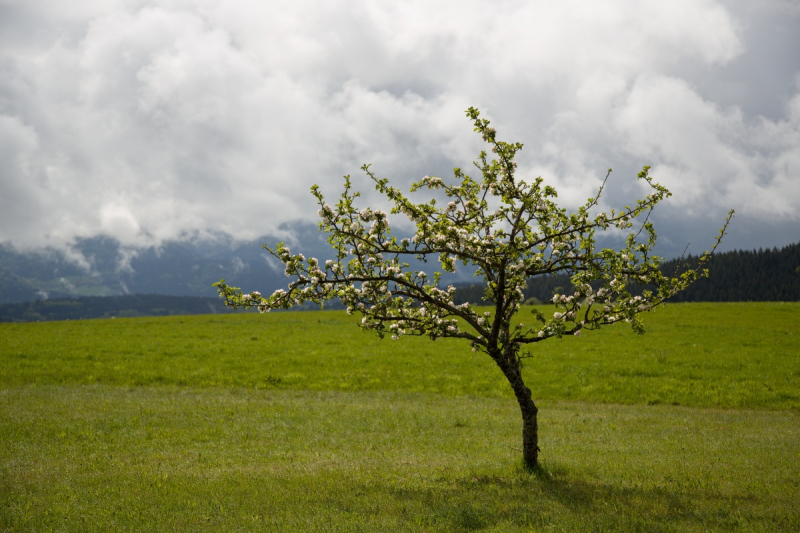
column 770, row 275
column 132, row 305
column 109, row 307
column 737, row 276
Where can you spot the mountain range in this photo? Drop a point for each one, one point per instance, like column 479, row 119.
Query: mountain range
column 101, row 266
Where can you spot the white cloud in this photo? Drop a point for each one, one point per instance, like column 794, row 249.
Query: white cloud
column 20, row 202
column 151, row 121
column 707, row 156
column 116, row 219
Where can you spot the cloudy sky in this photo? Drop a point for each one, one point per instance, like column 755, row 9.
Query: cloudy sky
column 162, row 120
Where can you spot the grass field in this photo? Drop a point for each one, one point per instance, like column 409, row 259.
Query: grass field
column 301, row 422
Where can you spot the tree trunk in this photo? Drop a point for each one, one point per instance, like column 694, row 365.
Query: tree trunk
column 530, row 428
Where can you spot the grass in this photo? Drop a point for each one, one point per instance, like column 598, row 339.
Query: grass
column 111, row 458
column 187, row 423
column 700, row 355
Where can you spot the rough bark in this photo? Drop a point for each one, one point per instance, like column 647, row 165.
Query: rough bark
column 530, row 428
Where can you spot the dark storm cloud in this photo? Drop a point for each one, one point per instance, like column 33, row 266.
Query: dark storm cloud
column 152, row 121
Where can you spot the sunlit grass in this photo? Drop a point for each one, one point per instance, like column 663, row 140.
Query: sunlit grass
column 704, row 355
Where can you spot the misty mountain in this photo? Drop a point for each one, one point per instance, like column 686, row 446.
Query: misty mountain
column 100, row 266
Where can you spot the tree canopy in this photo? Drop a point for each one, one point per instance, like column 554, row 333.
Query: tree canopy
column 508, row 230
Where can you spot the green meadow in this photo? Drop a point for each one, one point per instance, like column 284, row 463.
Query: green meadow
column 301, row 422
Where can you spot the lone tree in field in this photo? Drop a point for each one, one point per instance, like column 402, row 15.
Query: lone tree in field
column 507, row 229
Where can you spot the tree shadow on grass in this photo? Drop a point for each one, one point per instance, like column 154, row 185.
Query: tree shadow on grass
column 552, row 497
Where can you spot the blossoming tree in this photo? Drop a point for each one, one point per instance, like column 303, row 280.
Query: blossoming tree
column 508, row 230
